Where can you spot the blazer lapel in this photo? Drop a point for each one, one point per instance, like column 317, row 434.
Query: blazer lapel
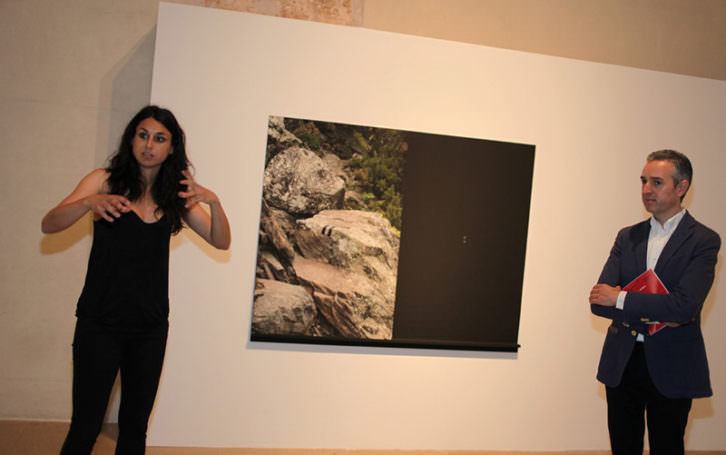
column 680, row 235
column 640, row 245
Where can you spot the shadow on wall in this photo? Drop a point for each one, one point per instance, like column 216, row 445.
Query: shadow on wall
column 703, row 408
column 64, row 240
column 125, row 89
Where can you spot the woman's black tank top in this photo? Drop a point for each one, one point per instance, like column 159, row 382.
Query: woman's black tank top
column 127, row 282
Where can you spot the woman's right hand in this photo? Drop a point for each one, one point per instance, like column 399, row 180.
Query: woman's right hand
column 90, row 194
column 107, row 206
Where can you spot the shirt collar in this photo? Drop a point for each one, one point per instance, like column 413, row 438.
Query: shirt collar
column 670, row 224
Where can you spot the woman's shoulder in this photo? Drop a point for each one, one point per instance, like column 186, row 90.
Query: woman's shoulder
column 98, row 178
column 99, row 173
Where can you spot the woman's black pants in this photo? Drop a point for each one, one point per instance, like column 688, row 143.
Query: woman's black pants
column 99, row 353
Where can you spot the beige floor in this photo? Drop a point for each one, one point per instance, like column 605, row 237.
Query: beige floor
column 45, row 438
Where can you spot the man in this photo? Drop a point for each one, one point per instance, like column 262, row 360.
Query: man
column 662, row 372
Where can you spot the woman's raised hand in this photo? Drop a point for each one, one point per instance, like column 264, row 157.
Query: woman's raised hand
column 213, row 226
column 195, row 192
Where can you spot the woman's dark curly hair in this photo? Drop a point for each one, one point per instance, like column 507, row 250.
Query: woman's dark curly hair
column 125, row 175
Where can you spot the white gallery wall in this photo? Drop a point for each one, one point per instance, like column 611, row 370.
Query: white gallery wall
column 224, row 73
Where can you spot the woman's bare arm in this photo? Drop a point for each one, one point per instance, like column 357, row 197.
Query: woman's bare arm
column 89, row 195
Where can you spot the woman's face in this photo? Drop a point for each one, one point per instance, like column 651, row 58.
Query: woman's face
column 151, row 144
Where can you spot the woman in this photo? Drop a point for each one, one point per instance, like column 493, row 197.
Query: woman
column 137, row 203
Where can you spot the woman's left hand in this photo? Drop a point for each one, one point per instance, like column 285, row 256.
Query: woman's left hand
column 195, row 192
column 213, row 226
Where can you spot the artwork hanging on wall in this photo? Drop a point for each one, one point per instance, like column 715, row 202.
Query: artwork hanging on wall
column 382, row 237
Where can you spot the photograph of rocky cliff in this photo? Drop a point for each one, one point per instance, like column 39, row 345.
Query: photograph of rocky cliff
column 382, row 237
column 330, row 229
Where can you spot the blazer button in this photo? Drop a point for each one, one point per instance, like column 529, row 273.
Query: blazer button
column 634, row 333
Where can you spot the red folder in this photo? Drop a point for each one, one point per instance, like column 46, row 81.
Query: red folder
column 648, row 283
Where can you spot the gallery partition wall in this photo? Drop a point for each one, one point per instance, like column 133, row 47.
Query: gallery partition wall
column 571, row 138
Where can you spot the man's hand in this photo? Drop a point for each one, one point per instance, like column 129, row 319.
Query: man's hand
column 602, row 294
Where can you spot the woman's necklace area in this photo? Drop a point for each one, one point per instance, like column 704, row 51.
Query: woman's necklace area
column 145, row 207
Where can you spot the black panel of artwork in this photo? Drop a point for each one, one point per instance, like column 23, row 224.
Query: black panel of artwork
column 465, row 218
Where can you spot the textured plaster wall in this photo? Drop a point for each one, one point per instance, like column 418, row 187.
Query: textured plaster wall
column 342, row 12
column 675, row 36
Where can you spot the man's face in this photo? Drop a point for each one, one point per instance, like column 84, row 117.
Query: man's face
column 661, row 194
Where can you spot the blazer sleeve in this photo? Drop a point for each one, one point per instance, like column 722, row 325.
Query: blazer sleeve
column 610, row 275
column 688, row 277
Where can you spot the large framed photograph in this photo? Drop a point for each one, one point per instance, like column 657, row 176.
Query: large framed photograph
column 382, row 237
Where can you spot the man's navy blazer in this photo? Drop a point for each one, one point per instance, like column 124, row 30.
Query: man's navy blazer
column 676, row 356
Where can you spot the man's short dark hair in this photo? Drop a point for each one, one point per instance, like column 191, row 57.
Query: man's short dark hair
column 684, row 171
